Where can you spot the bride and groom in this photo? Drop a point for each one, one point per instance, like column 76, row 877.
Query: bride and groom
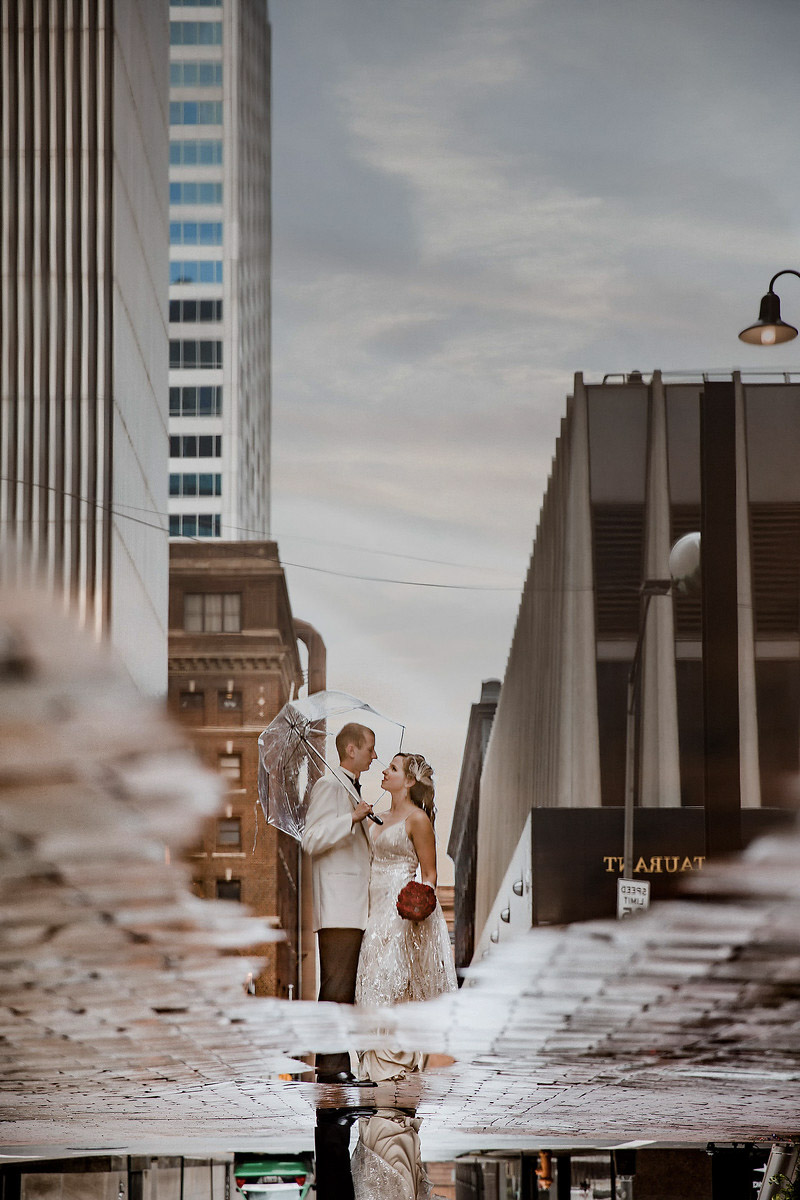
column 368, row 954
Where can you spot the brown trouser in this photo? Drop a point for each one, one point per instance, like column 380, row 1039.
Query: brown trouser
column 338, row 966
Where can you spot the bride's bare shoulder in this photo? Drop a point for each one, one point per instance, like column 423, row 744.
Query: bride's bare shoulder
column 418, row 819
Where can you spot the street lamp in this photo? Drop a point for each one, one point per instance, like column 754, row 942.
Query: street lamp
column 769, row 329
column 684, row 570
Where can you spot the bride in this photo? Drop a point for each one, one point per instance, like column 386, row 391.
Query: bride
column 402, row 960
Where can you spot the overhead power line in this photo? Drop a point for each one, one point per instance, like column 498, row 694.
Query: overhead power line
column 115, row 512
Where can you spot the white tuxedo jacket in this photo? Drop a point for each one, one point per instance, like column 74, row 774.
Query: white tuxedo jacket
column 340, row 857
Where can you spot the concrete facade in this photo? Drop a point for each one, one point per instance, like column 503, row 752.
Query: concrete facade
column 233, row 663
column 220, row 263
column 83, row 209
column 625, row 484
column 463, row 844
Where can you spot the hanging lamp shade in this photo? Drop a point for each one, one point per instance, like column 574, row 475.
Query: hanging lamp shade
column 769, row 329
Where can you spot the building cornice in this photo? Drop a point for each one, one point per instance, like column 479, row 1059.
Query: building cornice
column 227, row 663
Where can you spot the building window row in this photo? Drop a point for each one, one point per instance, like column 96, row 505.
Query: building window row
column 195, row 525
column 195, row 112
column 195, row 271
column 196, row 152
column 195, row 3
column 212, row 612
column 187, row 192
column 195, row 233
column 206, row 355
column 195, row 310
column 196, row 701
column 189, row 445
column 195, row 33
column 194, row 402
column 195, row 74
column 195, row 483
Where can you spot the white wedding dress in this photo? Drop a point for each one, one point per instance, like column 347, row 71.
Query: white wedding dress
column 400, row 960
column 387, row 1162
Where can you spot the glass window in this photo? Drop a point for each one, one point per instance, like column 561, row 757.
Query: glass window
column 191, row 701
column 229, row 701
column 229, row 832
column 188, row 192
column 194, row 233
column 210, row 403
column 231, row 612
column 209, row 74
column 193, row 612
column 189, row 354
column 195, row 112
column 195, row 310
column 209, row 153
column 211, row 272
column 195, row 33
column 229, row 889
column 206, row 271
column 189, row 153
column 195, row 525
column 212, row 620
column 193, row 484
column 230, row 766
column 212, row 612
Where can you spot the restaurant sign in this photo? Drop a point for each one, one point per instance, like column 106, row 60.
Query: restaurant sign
column 577, row 855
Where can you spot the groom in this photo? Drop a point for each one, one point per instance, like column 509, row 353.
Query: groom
column 340, row 850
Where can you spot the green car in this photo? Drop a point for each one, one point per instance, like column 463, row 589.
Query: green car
column 273, row 1177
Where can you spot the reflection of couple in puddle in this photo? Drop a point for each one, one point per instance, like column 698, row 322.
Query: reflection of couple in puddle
column 386, row 1163
column 369, row 953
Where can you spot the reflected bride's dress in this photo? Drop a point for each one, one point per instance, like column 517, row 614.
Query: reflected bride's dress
column 400, row 960
column 387, row 1162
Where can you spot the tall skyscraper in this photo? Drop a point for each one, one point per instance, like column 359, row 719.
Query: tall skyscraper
column 83, row 333
column 219, row 294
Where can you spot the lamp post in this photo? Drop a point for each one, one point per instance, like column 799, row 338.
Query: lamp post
column 650, row 588
column 769, row 329
column 684, row 568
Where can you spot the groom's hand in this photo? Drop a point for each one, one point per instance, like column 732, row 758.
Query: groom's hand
column 361, row 810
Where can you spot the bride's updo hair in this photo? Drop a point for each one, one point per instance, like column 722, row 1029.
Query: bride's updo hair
column 422, row 790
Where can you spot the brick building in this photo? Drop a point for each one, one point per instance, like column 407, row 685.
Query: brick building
column 233, row 663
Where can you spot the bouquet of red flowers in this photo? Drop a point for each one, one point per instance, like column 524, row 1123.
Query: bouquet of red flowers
column 416, row 901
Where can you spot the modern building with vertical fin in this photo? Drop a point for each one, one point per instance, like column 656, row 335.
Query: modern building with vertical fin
column 83, row 330
column 625, row 485
column 219, row 269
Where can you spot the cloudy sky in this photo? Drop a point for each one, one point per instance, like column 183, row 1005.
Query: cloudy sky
column 473, row 199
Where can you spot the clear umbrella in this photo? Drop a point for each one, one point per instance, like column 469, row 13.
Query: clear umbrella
column 295, row 748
